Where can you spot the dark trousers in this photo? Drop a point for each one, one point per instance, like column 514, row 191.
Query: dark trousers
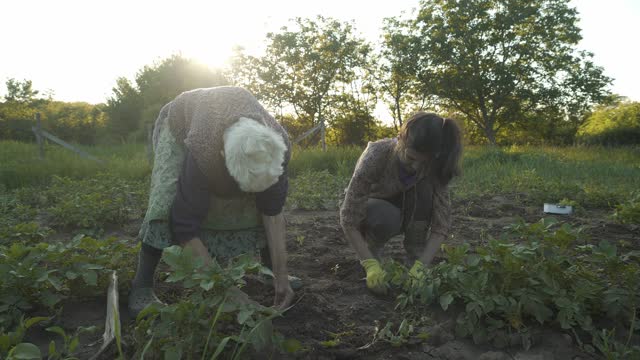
column 407, row 213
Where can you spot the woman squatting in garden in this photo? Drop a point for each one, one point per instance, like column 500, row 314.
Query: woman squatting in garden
column 399, row 186
column 218, row 186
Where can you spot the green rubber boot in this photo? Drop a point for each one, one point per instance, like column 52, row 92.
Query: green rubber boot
column 140, row 298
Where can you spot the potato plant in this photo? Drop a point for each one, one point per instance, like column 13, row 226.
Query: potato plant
column 628, row 212
column 538, row 274
column 212, row 319
column 95, row 202
column 42, row 275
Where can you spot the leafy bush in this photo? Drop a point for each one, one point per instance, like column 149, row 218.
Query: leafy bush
column 29, row 232
column 41, row 275
column 506, row 287
column 316, row 190
column 336, row 160
column 213, row 318
column 14, row 211
column 619, row 125
column 629, row 211
column 95, row 202
column 11, row 345
column 92, row 203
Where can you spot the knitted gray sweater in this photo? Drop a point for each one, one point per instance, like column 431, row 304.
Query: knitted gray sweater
column 377, row 176
column 198, row 118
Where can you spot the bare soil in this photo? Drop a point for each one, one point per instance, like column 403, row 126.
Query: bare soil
column 334, row 304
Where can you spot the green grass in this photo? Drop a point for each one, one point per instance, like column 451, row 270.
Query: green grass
column 588, row 176
column 21, row 166
column 338, row 161
column 81, row 199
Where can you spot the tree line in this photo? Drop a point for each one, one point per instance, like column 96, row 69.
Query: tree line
column 510, row 71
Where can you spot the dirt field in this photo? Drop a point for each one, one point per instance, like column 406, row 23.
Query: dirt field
column 334, row 304
column 335, row 300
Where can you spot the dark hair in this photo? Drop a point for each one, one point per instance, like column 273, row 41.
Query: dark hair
column 437, row 136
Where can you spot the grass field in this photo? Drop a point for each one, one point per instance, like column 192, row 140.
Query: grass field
column 21, row 166
column 589, row 176
column 67, row 222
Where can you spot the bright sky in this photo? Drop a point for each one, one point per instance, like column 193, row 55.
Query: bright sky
column 77, row 48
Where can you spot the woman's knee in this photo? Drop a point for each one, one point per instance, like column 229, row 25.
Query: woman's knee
column 383, row 220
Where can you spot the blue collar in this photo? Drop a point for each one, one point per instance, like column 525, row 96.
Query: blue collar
column 406, row 178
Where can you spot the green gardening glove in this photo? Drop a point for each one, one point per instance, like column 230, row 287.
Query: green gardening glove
column 375, row 276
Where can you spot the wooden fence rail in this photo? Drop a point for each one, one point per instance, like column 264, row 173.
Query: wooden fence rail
column 41, row 134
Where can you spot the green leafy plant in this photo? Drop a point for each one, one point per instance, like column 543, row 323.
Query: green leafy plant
column 405, row 334
column 335, row 339
column 24, row 351
column 567, row 202
column 26, row 232
column 316, row 190
column 43, row 274
column 300, row 240
column 604, row 340
column 628, row 212
column 94, row 202
column 213, row 318
column 399, row 337
column 538, row 273
column 70, row 342
column 11, row 345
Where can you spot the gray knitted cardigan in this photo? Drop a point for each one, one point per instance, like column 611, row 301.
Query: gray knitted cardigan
column 198, row 118
column 376, row 175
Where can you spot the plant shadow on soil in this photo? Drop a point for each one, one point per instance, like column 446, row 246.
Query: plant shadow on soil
column 334, row 314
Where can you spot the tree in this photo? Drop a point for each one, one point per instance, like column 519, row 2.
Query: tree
column 77, row 122
column 352, row 122
column 20, row 91
column 499, row 62
column 124, row 109
column 254, row 74
column 162, row 82
column 615, row 124
column 132, row 107
column 74, row 122
column 18, row 111
column 243, row 70
column 397, row 69
column 296, row 127
column 304, row 67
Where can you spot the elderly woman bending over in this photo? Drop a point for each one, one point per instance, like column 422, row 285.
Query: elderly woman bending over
column 218, row 186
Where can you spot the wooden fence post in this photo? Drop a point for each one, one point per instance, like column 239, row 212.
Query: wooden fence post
column 39, row 138
column 41, row 134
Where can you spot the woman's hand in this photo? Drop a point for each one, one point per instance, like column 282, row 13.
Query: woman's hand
column 198, row 249
column 275, row 230
column 376, row 276
column 432, row 248
column 283, row 293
